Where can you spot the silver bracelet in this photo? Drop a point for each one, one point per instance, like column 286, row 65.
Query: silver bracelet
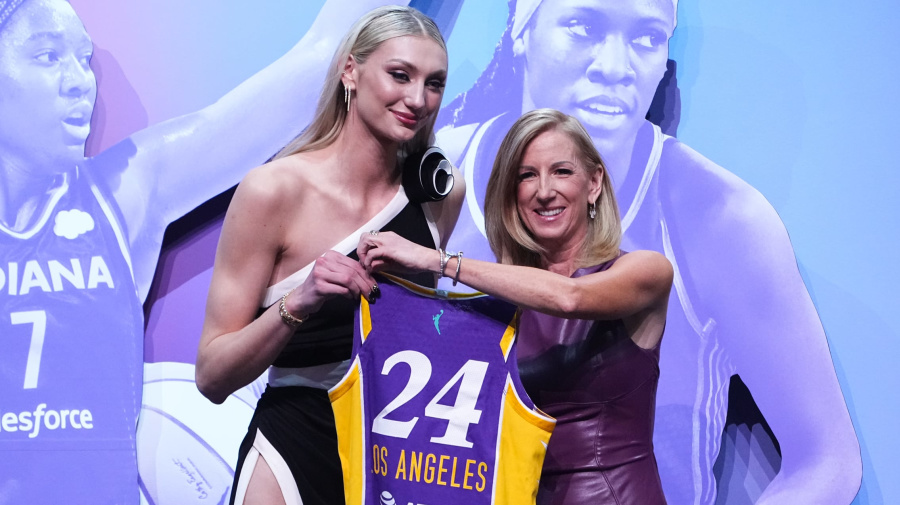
column 444, row 258
column 459, row 256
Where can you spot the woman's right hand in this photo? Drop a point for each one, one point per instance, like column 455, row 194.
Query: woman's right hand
column 333, row 274
column 387, row 251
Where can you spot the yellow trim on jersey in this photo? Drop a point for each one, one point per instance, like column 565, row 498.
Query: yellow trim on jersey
column 536, row 417
column 431, row 292
column 365, row 318
column 509, row 336
column 347, row 403
column 524, row 435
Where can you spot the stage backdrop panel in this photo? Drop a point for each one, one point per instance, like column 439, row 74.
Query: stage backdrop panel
column 752, row 148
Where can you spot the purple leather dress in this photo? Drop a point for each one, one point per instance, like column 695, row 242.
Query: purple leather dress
column 601, row 388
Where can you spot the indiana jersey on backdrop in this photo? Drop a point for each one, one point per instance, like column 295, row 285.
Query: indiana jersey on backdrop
column 431, row 410
column 72, row 340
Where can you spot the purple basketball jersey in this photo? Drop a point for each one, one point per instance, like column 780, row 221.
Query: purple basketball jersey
column 432, row 410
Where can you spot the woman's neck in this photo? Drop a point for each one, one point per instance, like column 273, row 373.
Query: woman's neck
column 562, row 261
column 625, row 155
column 23, row 193
column 369, row 161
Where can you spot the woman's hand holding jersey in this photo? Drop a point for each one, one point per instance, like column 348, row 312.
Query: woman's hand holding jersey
column 387, row 251
column 333, row 274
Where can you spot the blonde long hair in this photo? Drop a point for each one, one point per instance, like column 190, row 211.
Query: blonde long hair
column 366, row 35
column 511, row 242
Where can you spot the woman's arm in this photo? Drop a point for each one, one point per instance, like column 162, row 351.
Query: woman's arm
column 637, row 281
column 747, row 279
column 776, row 341
column 236, row 346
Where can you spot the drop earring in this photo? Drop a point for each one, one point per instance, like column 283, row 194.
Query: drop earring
column 592, row 210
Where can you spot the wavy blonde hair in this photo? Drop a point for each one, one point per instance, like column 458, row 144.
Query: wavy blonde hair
column 364, row 37
column 509, row 238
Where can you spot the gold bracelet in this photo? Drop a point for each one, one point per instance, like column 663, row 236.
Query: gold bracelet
column 288, row 318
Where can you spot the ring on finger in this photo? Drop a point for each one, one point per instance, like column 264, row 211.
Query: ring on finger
column 373, row 232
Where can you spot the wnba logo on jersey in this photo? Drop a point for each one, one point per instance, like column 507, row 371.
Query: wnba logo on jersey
column 437, row 321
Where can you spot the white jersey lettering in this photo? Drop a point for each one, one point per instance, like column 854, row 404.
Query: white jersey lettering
column 99, row 273
column 33, row 277
column 61, row 276
column 74, row 276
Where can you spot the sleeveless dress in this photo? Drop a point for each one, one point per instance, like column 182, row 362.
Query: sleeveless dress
column 692, row 399
column 601, row 388
column 293, row 426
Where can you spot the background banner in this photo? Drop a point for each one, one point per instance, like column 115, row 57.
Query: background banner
column 752, row 149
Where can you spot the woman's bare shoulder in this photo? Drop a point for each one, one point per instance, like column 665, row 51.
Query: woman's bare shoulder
column 270, row 204
column 279, row 181
column 720, row 226
column 696, row 190
column 649, row 269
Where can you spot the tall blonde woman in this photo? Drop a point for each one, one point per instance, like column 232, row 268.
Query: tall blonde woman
column 286, row 274
column 592, row 316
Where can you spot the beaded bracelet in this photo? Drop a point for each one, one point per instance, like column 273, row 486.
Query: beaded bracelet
column 288, row 318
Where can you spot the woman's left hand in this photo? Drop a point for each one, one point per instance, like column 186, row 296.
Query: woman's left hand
column 387, row 251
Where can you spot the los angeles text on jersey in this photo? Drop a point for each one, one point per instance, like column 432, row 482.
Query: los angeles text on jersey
column 20, row 278
column 30, row 423
column 430, row 468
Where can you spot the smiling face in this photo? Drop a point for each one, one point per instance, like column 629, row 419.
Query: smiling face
column 598, row 60
column 553, row 191
column 399, row 87
column 47, row 88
